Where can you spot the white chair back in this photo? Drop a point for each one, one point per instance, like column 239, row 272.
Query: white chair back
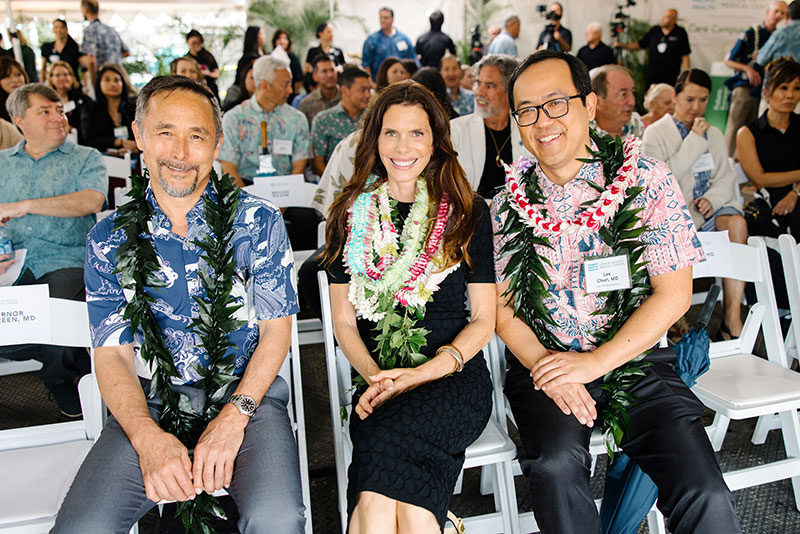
column 790, row 258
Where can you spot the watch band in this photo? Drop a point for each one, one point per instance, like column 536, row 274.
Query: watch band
column 246, row 405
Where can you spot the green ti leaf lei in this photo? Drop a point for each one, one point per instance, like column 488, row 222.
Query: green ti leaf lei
column 529, row 283
column 137, row 265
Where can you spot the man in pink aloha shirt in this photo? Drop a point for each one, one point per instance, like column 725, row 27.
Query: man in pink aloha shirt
column 556, row 396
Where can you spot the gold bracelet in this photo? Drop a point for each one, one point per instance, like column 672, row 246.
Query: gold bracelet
column 455, row 353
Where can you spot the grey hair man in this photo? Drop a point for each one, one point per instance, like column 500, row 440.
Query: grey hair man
column 488, row 138
column 51, row 190
column 248, row 447
column 505, row 42
column 615, row 116
column 595, row 53
column 287, row 128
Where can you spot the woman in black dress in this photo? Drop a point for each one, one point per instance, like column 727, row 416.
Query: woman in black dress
column 205, row 60
column 64, row 48
column 76, row 104
column 419, row 407
column 113, row 112
column 768, row 148
column 12, row 76
column 281, row 38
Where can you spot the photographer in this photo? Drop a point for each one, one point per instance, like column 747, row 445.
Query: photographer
column 555, row 36
column 504, row 43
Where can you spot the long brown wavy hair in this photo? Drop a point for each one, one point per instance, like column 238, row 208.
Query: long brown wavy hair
column 443, row 174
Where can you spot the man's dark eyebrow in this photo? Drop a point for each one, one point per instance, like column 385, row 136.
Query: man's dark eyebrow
column 168, row 125
column 548, row 96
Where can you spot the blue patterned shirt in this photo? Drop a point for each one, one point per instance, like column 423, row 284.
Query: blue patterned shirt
column 242, row 143
column 263, row 282
column 783, row 42
column 103, row 42
column 379, row 46
column 53, row 242
column 465, row 103
column 330, row 127
column 702, row 178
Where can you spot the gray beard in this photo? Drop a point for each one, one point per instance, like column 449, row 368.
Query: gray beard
column 177, row 193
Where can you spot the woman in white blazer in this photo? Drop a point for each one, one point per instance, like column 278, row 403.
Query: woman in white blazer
column 696, row 153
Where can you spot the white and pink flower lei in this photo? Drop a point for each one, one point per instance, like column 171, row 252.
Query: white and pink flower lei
column 593, row 217
column 410, row 276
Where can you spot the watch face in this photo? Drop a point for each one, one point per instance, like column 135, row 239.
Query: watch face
column 245, row 404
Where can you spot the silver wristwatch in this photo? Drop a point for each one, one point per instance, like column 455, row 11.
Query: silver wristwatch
column 247, row 406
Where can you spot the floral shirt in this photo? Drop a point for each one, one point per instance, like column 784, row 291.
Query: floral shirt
column 103, row 42
column 465, row 103
column 671, row 244
column 287, row 137
column 263, row 282
column 330, row 127
column 634, row 127
column 338, row 172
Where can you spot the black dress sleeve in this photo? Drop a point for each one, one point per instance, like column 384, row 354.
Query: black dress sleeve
column 480, row 246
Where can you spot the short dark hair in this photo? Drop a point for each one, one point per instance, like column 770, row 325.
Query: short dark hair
column 170, row 84
column 389, row 9
column 319, row 58
column 321, row 28
column 91, row 6
column 781, row 70
column 62, row 21
column 351, row 72
column 194, row 33
column 695, row 76
column 577, row 69
column 436, row 19
column 794, row 11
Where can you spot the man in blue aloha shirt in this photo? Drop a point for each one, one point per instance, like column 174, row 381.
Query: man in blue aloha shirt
column 333, row 125
column 49, row 193
column 386, row 42
column 287, row 128
column 248, row 447
column 101, row 43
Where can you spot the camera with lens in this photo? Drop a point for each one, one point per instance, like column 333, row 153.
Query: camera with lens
column 619, row 21
column 476, row 45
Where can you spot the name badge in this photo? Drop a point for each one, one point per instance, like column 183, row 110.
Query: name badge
column 282, row 147
column 402, row 46
column 69, row 106
column 703, row 163
column 121, row 132
column 265, row 167
column 661, row 47
column 609, row 273
column 54, row 57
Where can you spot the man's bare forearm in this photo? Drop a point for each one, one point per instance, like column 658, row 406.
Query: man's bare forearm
column 75, row 204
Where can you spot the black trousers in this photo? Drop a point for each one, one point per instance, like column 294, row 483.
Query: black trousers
column 308, row 284
column 60, row 365
column 666, row 438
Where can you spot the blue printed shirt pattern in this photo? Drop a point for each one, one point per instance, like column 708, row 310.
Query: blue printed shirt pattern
column 783, row 42
column 465, row 103
column 379, row 46
column 330, row 127
column 263, row 282
column 242, row 143
column 103, row 42
column 53, row 242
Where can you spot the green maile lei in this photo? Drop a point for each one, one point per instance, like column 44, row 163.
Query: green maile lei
column 136, row 266
column 529, row 282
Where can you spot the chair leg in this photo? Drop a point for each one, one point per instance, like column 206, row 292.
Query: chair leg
column 763, row 426
column 791, row 441
column 501, row 499
column 717, row 430
column 459, row 483
column 487, row 480
column 512, row 511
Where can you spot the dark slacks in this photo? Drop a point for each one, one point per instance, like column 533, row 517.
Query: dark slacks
column 666, row 438
column 308, row 284
column 60, row 365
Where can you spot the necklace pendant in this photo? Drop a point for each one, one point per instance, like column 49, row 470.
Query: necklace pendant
column 499, row 162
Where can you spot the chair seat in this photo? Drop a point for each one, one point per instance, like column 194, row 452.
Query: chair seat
column 746, row 382
column 35, row 480
column 493, row 445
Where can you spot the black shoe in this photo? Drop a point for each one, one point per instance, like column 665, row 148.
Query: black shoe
column 67, row 398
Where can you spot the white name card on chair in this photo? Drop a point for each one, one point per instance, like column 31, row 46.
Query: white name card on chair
column 25, row 314
column 283, row 191
column 717, row 247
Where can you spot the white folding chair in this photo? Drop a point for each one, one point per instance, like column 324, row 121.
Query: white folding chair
column 493, row 449
column 740, row 385
column 39, row 463
column 119, row 181
column 290, row 371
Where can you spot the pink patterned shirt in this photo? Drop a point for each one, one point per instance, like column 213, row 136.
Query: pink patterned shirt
column 672, row 244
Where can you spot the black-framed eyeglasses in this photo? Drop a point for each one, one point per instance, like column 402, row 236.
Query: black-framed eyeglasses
column 558, row 107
